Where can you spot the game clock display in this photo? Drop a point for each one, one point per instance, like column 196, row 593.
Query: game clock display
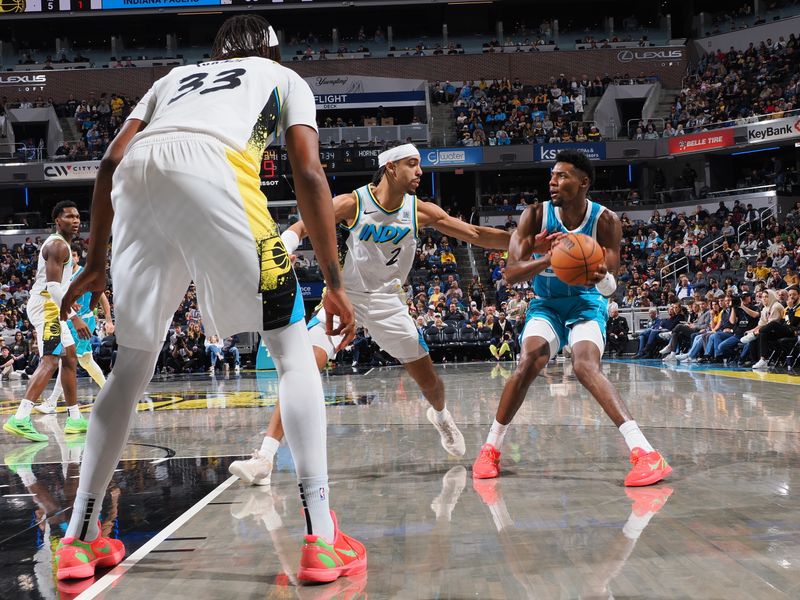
column 275, row 163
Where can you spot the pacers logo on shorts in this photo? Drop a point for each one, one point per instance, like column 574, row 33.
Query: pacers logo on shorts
column 275, row 263
column 51, row 332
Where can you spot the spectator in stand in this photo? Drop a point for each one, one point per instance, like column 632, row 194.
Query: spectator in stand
column 649, row 338
column 772, row 312
column 779, row 336
column 698, row 322
column 683, row 289
column 616, row 332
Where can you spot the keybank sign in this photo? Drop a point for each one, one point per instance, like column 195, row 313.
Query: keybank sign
column 626, row 56
column 778, row 129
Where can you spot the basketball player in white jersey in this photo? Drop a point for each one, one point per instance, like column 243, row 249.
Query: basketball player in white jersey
column 383, row 220
column 83, row 347
column 179, row 188
column 53, row 273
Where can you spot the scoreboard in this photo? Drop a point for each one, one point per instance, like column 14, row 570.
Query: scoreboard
column 34, row 7
column 275, row 167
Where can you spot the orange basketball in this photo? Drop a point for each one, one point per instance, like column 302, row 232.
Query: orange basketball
column 575, row 258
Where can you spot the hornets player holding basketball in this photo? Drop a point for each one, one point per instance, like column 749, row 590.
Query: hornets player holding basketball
column 383, row 219
column 565, row 314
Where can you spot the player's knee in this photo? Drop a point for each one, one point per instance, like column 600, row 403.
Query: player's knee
column 585, row 370
column 531, row 363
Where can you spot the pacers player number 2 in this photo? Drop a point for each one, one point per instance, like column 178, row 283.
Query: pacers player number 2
column 225, row 80
column 395, row 254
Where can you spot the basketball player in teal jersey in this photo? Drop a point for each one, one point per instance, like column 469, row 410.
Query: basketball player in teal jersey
column 566, row 314
column 83, row 347
column 383, row 219
column 53, row 273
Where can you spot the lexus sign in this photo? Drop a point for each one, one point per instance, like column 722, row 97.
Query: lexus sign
column 626, row 56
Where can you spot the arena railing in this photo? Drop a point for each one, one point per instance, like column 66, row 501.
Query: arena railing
column 745, row 190
column 23, row 152
column 651, row 120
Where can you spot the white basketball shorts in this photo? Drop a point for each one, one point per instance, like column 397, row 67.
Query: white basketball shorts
column 52, row 334
column 386, row 318
column 188, row 208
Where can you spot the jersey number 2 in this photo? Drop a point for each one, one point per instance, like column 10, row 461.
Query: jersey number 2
column 227, row 79
column 395, row 254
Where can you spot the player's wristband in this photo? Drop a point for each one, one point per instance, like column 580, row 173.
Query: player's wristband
column 608, row 286
column 290, row 240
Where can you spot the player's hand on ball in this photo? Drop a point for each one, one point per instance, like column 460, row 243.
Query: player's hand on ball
column 598, row 275
column 337, row 303
column 542, row 242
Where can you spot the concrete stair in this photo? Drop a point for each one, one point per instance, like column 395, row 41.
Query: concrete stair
column 442, row 126
column 665, row 103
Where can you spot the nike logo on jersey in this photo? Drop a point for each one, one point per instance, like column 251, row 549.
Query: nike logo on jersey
column 370, row 212
column 381, row 234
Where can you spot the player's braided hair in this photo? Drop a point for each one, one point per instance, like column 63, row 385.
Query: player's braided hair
column 242, row 36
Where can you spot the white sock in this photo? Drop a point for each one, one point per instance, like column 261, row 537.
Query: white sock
column 635, row 525
column 92, row 368
column 269, row 446
column 85, row 512
column 57, row 392
column 497, row 432
column 304, row 421
column 24, row 410
column 634, row 437
column 440, row 415
column 314, row 493
column 74, row 411
column 112, row 415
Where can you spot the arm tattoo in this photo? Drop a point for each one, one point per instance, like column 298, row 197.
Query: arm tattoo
column 334, row 277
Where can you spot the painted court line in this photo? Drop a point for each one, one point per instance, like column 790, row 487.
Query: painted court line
column 108, row 580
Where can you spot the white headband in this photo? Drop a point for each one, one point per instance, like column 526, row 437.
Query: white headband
column 272, row 38
column 272, row 41
column 397, row 153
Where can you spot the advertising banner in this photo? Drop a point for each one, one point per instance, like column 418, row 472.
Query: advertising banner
column 446, row 157
column 777, row 129
column 548, row 152
column 72, row 171
column 697, row 142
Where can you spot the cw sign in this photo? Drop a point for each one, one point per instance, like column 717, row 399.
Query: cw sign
column 74, row 171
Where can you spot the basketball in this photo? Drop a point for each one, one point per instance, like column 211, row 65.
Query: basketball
column 575, row 257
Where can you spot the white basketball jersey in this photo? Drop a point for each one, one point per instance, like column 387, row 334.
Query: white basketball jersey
column 243, row 102
column 381, row 246
column 40, row 284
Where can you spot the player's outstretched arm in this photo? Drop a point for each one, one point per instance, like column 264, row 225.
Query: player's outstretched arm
column 93, row 276
column 431, row 215
column 525, row 241
column 313, row 201
column 344, row 211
